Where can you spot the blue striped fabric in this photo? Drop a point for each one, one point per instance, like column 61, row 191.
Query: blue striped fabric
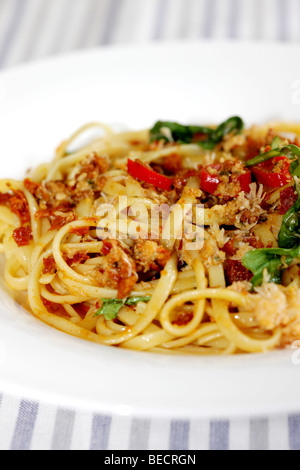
column 22, row 428
column 100, row 432
column 179, row 435
column 33, row 29
column 219, row 435
column 24, row 425
column 294, row 432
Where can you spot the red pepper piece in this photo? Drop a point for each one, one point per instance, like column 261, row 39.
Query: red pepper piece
column 273, row 173
column 139, row 171
column 211, row 180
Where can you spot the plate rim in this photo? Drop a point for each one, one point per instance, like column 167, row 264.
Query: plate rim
column 9, row 386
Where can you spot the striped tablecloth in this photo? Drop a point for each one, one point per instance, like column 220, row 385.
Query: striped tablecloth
column 33, row 29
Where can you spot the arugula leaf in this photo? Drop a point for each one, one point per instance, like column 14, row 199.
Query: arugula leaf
column 271, row 259
column 289, row 234
column 290, row 151
column 179, row 133
column 111, row 307
column 276, row 143
column 295, row 165
column 136, row 300
column 233, row 124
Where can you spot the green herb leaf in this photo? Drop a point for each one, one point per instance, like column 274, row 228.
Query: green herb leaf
column 263, row 157
column 111, row 307
column 295, row 165
column 276, row 143
column 290, row 151
column 289, row 234
column 179, row 133
column 233, row 124
column 136, row 300
column 271, row 259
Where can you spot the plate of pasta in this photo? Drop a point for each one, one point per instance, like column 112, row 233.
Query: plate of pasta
column 150, row 250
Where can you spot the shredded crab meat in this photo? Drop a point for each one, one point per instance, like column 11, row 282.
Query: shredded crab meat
column 218, row 234
column 242, row 250
column 243, row 213
column 276, row 306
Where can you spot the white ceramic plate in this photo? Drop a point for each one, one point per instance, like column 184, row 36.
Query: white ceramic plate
column 43, row 103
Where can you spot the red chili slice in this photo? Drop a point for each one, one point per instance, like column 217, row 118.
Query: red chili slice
column 210, row 180
column 273, row 173
column 288, row 197
column 245, row 179
column 139, row 171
